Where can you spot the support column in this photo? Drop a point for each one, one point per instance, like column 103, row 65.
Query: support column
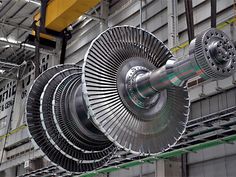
column 168, row 168
column 57, row 51
column 141, row 13
column 189, row 19
column 172, row 23
column 104, row 15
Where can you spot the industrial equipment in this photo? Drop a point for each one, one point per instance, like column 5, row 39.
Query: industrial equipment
column 130, row 94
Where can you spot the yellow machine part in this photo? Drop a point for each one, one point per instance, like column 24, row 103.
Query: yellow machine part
column 61, row 13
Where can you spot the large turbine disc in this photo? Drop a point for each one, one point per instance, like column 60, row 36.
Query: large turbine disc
column 107, row 62
column 45, row 122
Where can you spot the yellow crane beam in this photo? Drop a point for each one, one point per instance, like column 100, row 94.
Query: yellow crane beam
column 61, row 13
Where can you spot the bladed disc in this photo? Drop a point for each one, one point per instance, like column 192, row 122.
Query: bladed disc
column 120, row 123
column 46, row 132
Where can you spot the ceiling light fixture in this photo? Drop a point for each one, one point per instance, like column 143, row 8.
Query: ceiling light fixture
column 2, row 71
column 34, row 2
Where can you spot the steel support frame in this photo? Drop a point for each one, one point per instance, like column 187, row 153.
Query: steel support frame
column 141, row 13
column 37, row 36
column 18, row 45
column 12, row 71
column 189, row 17
column 37, row 51
column 65, row 35
column 213, row 13
column 12, row 24
column 43, row 14
column 104, row 13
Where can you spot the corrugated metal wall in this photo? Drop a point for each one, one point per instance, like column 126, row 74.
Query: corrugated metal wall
column 213, row 162
column 126, row 12
column 217, row 161
column 213, row 104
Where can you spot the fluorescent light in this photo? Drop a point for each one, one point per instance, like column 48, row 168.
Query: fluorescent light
column 5, row 46
column 28, row 45
column 34, row 2
column 3, row 39
column 81, row 18
column 11, row 40
column 2, row 71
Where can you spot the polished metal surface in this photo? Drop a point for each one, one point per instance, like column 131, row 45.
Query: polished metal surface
column 135, row 88
column 212, row 56
column 215, row 53
column 130, row 95
column 139, row 125
column 56, row 131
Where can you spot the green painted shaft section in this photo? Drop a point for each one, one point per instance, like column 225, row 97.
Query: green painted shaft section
column 165, row 155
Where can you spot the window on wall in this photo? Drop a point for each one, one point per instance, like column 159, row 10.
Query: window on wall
column 3, row 122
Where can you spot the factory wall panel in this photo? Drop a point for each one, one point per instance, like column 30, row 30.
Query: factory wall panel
column 216, row 161
column 154, row 16
column 213, row 104
column 212, row 153
column 221, row 167
column 81, row 41
column 145, row 170
column 12, row 117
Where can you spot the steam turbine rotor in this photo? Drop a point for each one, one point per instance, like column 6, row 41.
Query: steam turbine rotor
column 130, row 94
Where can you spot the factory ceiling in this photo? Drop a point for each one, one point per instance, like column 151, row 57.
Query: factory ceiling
column 16, row 17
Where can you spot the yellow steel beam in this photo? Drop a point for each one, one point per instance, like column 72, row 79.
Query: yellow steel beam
column 61, row 13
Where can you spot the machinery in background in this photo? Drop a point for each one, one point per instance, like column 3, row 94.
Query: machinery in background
column 130, row 94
